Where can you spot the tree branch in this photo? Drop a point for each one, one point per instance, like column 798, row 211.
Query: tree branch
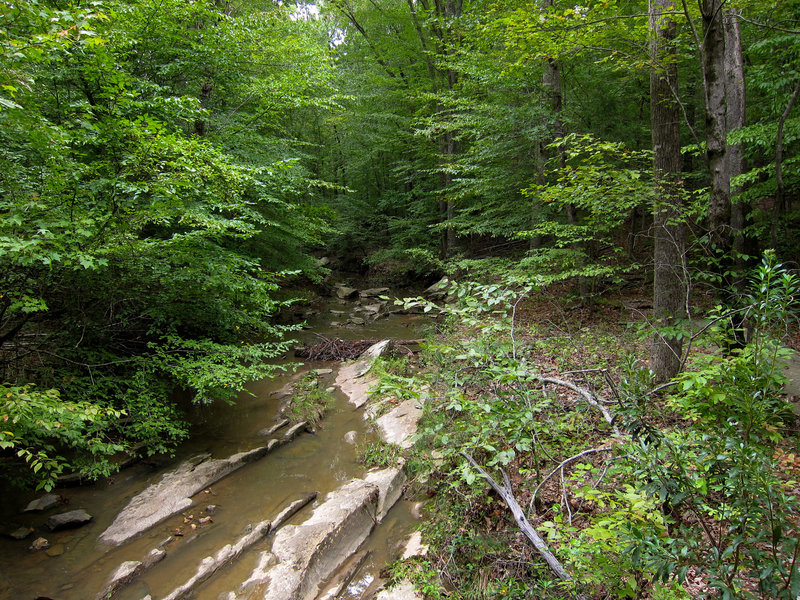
column 507, row 495
column 565, row 463
column 590, row 398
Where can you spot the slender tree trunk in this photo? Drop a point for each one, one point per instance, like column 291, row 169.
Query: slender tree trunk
column 714, row 71
column 735, row 119
column 447, row 149
column 447, row 11
column 780, row 193
column 669, row 285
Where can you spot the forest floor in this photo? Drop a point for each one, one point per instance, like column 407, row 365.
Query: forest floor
column 579, row 483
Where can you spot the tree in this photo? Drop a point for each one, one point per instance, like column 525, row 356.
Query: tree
column 669, row 284
column 135, row 246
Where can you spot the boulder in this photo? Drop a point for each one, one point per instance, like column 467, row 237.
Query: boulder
column 438, row 291
column 43, row 503
column 376, row 350
column 346, row 293
column 68, row 520
column 372, row 309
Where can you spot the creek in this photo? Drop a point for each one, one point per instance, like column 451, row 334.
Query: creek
column 77, row 565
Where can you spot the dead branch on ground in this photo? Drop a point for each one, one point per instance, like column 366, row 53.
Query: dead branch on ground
column 507, row 494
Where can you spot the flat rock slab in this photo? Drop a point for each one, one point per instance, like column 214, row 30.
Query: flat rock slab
column 68, row 520
column 414, row 546
column 391, row 483
column 173, row 493
column 373, row 292
column 129, row 570
column 309, row 553
column 352, row 379
column 230, row 552
column 345, row 292
column 354, row 384
column 399, row 424
column 304, row 556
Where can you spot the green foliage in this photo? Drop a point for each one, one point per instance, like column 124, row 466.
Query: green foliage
column 309, row 400
column 706, row 493
column 141, row 244
column 38, row 426
column 396, row 381
column 731, row 514
column 378, row 455
column 600, row 551
column 603, row 183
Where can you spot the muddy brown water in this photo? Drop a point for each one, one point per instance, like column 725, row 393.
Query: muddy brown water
column 313, row 462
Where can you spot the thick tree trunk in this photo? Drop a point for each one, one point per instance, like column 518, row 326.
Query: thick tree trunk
column 669, row 284
column 735, row 119
column 713, row 57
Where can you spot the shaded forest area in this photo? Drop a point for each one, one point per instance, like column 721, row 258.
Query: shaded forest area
column 171, row 171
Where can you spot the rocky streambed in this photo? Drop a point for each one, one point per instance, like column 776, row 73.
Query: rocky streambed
column 252, row 508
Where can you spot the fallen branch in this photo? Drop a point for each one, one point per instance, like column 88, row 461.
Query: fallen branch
column 588, row 396
column 507, row 495
column 561, row 467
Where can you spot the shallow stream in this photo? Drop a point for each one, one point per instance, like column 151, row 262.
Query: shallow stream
column 76, row 566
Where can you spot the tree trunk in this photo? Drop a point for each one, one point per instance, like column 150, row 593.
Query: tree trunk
column 714, row 71
column 669, row 285
column 780, row 192
column 735, row 119
column 447, row 11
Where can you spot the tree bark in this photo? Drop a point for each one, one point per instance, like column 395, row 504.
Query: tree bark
column 780, row 193
column 735, row 119
column 714, row 71
column 669, row 285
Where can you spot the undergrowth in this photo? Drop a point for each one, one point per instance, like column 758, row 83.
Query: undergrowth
column 310, row 400
column 695, row 497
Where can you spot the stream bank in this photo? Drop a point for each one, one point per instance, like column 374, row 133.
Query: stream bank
column 218, row 511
